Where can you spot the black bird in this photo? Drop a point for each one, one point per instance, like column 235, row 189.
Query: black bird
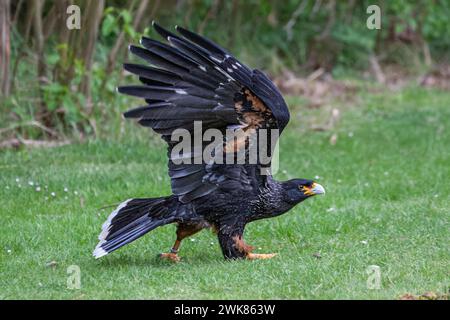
column 192, row 79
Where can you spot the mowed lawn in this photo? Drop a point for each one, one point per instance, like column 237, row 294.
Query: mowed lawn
column 387, row 204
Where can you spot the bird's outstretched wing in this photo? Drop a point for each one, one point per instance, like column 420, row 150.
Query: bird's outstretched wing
column 192, row 79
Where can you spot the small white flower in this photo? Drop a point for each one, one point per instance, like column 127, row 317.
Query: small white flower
column 7, row 187
column 53, row 194
column 66, row 190
column 331, row 209
column 317, row 177
column 211, row 243
column 19, row 185
column 9, row 251
column 193, row 240
column 66, row 197
column 38, row 189
column 17, row 180
column 436, row 195
column 364, row 242
column 75, row 193
column 31, row 183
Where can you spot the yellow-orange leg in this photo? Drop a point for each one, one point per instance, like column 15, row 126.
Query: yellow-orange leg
column 247, row 250
column 173, row 254
column 183, row 231
column 256, row 256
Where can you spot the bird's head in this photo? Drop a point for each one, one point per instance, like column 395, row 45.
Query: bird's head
column 297, row 190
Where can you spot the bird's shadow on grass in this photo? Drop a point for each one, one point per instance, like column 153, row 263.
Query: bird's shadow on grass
column 153, row 260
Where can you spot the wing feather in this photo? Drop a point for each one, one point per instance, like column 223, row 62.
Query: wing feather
column 193, row 79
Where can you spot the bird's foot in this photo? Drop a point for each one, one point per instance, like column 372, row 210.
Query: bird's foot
column 170, row 256
column 257, row 256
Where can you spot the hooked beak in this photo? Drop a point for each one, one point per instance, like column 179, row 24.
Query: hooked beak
column 314, row 190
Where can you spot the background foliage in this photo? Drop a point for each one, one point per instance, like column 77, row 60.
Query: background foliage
column 59, row 84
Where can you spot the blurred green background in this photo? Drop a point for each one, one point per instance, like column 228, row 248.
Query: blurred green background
column 59, row 84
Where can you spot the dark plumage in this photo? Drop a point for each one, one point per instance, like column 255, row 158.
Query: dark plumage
column 192, row 79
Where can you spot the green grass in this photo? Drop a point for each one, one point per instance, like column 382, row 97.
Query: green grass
column 387, row 204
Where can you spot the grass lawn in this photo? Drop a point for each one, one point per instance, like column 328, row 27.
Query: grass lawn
column 387, row 204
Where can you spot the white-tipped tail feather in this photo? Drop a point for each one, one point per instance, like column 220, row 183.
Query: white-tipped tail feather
column 131, row 220
column 99, row 252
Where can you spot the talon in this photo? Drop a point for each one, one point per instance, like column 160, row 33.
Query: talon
column 257, row 256
column 170, row 256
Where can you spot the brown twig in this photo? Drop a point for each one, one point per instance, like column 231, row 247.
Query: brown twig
column 33, row 123
column 293, row 20
column 16, row 143
column 210, row 15
column 108, row 206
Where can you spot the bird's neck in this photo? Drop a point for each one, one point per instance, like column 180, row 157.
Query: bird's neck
column 270, row 201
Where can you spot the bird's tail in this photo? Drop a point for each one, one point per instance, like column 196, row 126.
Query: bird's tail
column 132, row 219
